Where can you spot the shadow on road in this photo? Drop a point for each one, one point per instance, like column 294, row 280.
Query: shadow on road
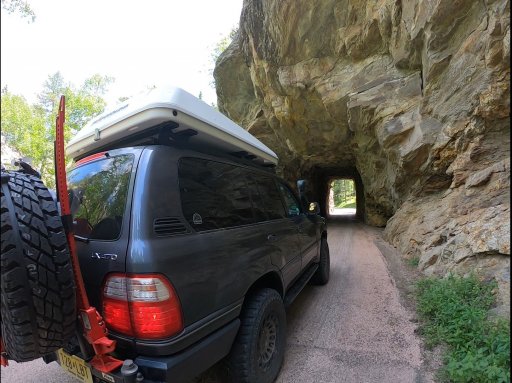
column 342, row 218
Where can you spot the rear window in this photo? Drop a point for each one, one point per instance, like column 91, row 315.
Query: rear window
column 98, row 192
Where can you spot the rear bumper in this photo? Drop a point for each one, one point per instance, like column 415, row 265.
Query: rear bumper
column 181, row 367
column 184, row 366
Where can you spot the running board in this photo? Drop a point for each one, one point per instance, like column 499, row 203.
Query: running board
column 299, row 285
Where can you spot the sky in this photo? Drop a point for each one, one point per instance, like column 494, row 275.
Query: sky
column 139, row 43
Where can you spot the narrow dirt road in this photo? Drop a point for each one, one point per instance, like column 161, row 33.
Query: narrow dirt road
column 354, row 329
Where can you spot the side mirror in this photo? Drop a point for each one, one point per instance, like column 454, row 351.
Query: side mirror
column 301, row 187
column 314, row 208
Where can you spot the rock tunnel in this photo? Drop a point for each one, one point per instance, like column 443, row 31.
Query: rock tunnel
column 409, row 100
column 320, row 188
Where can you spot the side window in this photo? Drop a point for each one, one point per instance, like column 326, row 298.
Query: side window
column 265, row 198
column 258, row 205
column 214, row 195
column 292, row 205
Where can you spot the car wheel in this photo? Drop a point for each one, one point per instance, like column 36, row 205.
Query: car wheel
column 37, row 284
column 321, row 276
column 258, row 351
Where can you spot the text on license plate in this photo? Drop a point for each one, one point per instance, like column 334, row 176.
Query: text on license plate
column 75, row 366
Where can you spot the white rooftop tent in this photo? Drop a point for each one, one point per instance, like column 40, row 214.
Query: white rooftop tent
column 186, row 117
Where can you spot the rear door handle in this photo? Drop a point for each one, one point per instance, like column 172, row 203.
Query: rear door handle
column 272, row 237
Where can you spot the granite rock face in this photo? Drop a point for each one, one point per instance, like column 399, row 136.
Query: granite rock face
column 414, row 95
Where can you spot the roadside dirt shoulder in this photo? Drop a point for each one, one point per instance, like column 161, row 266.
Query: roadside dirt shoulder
column 404, row 277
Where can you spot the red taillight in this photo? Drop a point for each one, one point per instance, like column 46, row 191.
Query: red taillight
column 153, row 321
column 144, row 306
column 117, row 315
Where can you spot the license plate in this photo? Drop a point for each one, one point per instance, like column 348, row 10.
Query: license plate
column 75, row 366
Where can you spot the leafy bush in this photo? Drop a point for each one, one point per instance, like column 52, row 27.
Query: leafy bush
column 454, row 311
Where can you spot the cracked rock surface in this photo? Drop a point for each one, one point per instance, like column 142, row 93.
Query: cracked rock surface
column 413, row 94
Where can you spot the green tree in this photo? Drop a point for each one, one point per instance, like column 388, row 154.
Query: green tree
column 19, row 6
column 53, row 87
column 343, row 191
column 223, row 43
column 24, row 127
column 30, row 129
column 81, row 104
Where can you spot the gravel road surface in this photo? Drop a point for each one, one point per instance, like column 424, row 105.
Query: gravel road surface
column 354, row 329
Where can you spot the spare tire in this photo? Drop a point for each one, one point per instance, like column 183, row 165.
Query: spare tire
column 37, row 285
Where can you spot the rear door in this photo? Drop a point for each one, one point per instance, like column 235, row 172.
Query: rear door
column 280, row 231
column 101, row 190
column 229, row 248
column 305, row 225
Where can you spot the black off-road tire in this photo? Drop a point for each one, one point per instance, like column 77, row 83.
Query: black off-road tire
column 253, row 358
column 321, row 276
column 37, row 285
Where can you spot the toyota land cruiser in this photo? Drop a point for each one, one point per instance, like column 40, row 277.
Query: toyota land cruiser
column 191, row 255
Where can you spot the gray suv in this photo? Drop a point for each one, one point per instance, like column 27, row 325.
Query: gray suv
column 192, row 258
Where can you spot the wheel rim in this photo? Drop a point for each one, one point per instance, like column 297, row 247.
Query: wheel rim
column 267, row 344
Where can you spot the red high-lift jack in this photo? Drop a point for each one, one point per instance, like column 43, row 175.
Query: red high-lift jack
column 93, row 326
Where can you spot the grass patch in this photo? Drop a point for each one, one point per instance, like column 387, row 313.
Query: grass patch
column 351, row 203
column 454, row 311
column 413, row 262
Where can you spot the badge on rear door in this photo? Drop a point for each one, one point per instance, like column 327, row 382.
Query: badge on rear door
column 108, row 257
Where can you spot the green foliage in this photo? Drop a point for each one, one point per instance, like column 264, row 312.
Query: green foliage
column 19, row 6
column 350, row 203
column 454, row 311
column 81, row 104
column 413, row 262
column 223, row 43
column 30, row 129
column 344, row 192
column 23, row 127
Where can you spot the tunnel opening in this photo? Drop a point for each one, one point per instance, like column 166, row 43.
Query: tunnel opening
column 322, row 179
column 342, row 198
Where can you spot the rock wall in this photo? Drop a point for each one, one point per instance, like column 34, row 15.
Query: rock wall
column 413, row 94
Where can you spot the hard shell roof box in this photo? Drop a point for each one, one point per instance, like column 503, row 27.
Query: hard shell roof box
column 168, row 114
